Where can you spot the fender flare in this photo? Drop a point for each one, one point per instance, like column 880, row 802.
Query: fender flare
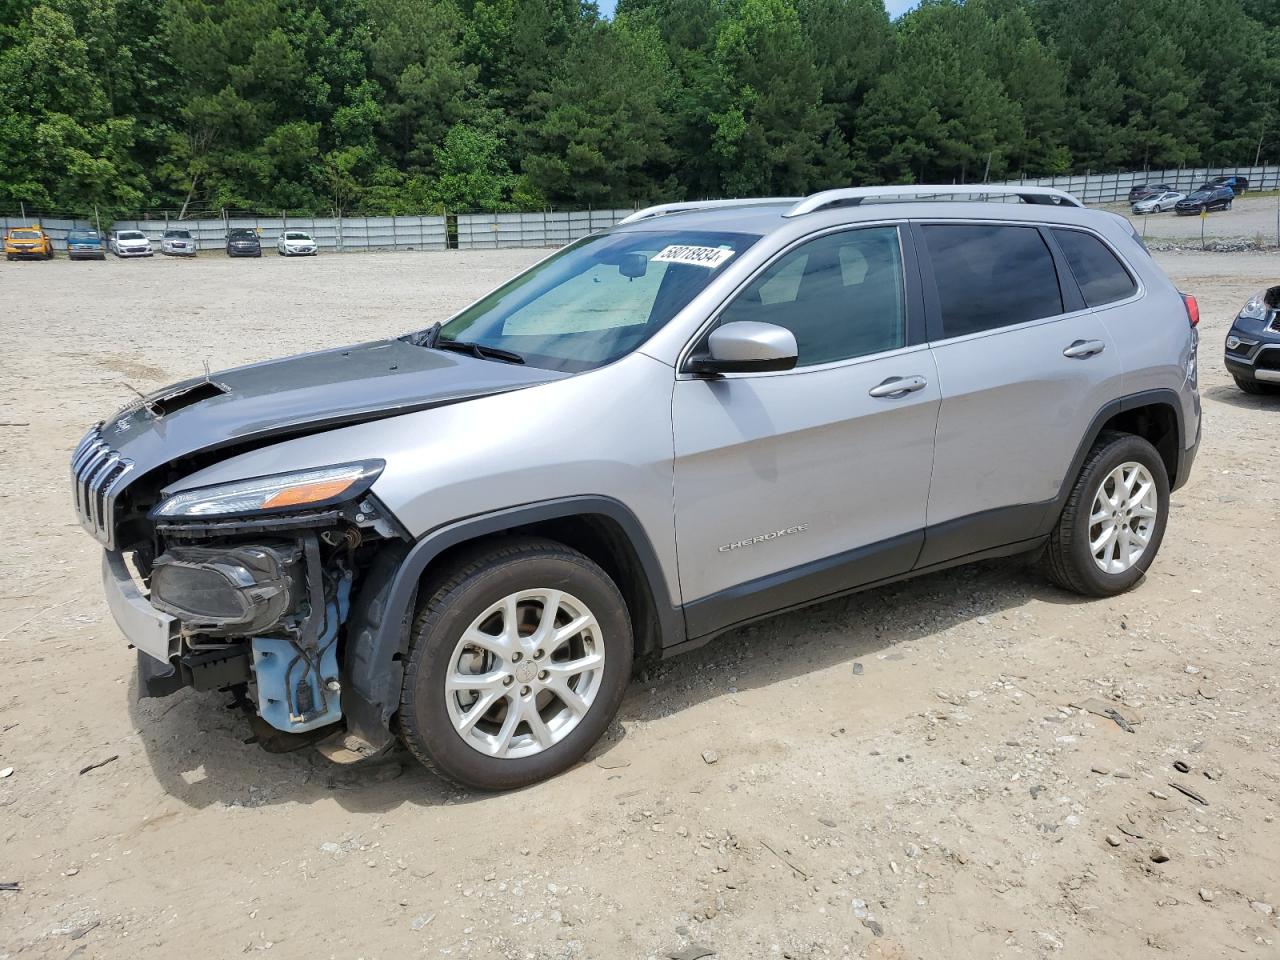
column 378, row 629
column 1162, row 396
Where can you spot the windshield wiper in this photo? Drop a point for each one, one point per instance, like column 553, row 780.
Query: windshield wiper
column 478, row 350
column 424, row 338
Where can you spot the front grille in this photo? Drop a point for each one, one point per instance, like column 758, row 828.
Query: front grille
column 1268, row 359
column 97, row 477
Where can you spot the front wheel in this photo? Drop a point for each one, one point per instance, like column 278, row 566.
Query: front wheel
column 1156, row 209
column 1114, row 520
column 1254, row 387
column 517, row 663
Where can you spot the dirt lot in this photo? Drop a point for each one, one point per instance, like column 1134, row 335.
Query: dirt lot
column 939, row 801
column 1250, row 218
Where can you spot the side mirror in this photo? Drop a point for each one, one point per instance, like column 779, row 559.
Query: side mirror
column 747, row 346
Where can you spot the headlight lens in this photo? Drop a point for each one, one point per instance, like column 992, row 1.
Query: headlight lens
column 323, row 486
column 1256, row 308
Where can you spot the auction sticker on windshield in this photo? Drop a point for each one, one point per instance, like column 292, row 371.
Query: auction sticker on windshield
column 709, row 257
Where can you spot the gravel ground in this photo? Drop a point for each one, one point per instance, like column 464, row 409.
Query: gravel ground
column 896, row 775
column 1250, row 218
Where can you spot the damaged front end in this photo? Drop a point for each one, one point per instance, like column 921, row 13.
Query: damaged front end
column 248, row 589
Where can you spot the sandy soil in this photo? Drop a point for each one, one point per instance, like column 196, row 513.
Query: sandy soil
column 942, row 800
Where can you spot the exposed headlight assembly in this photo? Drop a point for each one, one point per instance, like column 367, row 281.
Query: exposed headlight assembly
column 301, row 489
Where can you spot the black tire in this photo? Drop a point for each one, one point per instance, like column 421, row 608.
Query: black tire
column 1068, row 561
column 1254, row 387
column 1227, row 205
column 451, row 604
column 1156, row 209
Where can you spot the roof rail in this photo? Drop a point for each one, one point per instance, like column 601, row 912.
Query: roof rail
column 665, row 208
column 852, row 196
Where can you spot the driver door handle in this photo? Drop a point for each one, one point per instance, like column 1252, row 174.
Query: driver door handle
column 1084, row 348
column 898, row 386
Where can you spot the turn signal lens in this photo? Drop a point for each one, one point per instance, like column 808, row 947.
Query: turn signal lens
column 308, row 493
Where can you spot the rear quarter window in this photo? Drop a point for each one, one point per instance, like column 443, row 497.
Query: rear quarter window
column 991, row 276
column 1101, row 276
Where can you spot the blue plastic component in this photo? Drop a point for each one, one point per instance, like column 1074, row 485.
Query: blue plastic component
column 278, row 665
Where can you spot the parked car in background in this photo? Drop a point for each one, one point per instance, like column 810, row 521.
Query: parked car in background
column 130, row 243
column 1238, row 185
column 243, row 243
column 1205, row 198
column 705, row 415
column 1144, row 190
column 27, row 243
column 1253, row 344
column 1158, row 202
column 85, row 245
column 295, row 243
column 178, row 243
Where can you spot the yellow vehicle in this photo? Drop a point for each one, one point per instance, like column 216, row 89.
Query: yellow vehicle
column 28, row 242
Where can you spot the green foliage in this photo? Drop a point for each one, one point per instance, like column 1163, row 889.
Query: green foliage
column 404, row 106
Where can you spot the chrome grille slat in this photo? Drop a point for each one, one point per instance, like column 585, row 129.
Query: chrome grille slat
column 95, row 484
column 97, row 478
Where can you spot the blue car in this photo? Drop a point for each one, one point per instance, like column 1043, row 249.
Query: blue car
column 85, row 245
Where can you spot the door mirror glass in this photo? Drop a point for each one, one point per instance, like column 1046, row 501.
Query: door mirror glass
column 747, row 346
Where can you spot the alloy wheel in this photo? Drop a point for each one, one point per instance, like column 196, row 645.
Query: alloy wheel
column 1123, row 517
column 525, row 673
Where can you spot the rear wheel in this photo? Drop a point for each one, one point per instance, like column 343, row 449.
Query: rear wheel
column 517, row 664
column 1114, row 520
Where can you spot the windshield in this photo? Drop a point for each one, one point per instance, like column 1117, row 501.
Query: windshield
column 243, row 235
column 296, row 236
column 178, row 234
column 597, row 299
column 82, row 235
column 25, row 235
column 130, row 235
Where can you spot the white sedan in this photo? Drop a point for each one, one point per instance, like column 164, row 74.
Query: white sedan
column 129, row 243
column 1157, row 202
column 295, row 243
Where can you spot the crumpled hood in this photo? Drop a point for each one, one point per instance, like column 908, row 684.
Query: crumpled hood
column 303, row 394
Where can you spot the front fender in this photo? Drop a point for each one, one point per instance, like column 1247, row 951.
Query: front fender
column 378, row 630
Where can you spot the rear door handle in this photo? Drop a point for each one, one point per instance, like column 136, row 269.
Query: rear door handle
column 898, row 386
column 1084, row 348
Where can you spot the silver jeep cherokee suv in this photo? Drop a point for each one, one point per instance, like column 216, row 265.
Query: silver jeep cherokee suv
column 708, row 414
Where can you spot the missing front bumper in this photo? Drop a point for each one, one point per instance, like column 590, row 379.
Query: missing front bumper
column 153, row 632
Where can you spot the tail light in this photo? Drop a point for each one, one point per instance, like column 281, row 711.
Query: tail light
column 1193, row 308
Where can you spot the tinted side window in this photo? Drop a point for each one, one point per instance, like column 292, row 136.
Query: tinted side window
column 842, row 296
column 1100, row 275
column 991, row 276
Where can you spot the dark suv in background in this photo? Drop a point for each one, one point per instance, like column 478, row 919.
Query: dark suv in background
column 1207, row 197
column 243, row 243
column 1238, row 185
column 1253, row 344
